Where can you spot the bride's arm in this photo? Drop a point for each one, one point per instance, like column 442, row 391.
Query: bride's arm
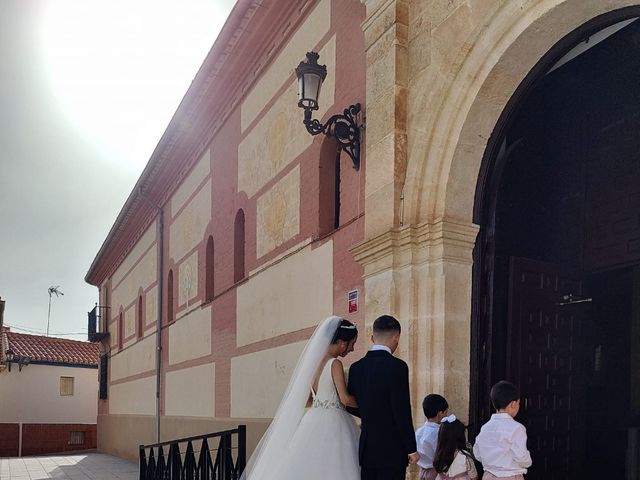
column 337, row 373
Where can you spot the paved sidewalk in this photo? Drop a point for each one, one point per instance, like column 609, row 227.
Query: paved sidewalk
column 87, row 466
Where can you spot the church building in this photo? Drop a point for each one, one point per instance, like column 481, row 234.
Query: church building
column 481, row 183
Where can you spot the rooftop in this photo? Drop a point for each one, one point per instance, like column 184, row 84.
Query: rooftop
column 48, row 349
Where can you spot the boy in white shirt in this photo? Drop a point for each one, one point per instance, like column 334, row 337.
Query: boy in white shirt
column 435, row 408
column 501, row 445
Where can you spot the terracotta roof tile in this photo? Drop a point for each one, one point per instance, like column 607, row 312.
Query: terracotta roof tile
column 51, row 349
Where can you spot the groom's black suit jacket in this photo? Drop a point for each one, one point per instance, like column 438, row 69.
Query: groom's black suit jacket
column 380, row 383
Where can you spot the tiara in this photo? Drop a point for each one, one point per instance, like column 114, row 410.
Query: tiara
column 348, row 327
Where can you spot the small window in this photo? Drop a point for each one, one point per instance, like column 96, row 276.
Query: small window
column 120, row 331
column 76, row 438
column 238, row 247
column 209, row 271
column 66, row 386
column 170, row 297
column 329, row 187
column 140, row 318
column 104, row 361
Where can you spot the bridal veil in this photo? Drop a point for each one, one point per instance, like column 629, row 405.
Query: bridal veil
column 270, row 451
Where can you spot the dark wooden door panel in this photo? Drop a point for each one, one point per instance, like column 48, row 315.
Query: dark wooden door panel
column 612, row 194
column 544, row 338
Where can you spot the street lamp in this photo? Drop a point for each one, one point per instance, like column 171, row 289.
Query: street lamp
column 344, row 127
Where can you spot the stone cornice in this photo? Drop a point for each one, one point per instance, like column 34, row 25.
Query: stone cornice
column 441, row 239
column 247, row 44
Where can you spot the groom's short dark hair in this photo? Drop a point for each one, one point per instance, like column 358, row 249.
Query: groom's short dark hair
column 386, row 324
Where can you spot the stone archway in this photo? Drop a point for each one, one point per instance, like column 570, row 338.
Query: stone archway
column 427, row 133
column 519, row 42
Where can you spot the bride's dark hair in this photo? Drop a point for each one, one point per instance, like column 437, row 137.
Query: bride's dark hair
column 346, row 331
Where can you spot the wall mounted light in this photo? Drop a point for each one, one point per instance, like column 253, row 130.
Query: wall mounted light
column 21, row 360
column 9, row 356
column 344, row 127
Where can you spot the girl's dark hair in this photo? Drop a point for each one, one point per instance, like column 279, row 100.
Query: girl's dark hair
column 346, row 331
column 450, row 438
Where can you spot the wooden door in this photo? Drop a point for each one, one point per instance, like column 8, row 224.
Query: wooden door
column 546, row 311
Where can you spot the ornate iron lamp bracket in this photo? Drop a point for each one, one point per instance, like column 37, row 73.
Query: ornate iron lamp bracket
column 342, row 127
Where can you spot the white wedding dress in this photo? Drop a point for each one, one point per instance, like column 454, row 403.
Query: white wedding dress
column 319, row 443
column 325, row 445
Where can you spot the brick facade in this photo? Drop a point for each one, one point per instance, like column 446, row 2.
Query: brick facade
column 45, row 438
column 9, row 439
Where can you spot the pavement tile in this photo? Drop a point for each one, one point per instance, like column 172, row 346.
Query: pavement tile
column 91, row 466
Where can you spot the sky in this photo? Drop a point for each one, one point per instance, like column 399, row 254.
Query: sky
column 87, row 87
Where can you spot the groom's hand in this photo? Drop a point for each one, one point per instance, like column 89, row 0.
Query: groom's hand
column 414, row 457
column 353, row 411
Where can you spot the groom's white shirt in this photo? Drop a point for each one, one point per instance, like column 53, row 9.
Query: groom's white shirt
column 381, row 347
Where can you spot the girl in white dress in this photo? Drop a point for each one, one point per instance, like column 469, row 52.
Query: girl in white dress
column 453, row 458
column 322, row 442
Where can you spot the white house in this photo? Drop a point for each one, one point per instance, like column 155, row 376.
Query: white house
column 48, row 394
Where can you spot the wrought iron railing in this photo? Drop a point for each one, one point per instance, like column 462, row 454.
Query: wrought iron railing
column 95, row 324
column 215, row 456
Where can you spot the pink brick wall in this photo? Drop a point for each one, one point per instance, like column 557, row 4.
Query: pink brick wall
column 45, row 438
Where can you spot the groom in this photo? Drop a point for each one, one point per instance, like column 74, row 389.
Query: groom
column 380, row 383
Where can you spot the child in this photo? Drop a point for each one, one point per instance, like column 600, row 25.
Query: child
column 501, row 445
column 435, row 408
column 453, row 457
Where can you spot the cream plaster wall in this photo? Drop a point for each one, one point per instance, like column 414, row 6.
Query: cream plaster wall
column 137, row 397
column 151, row 305
column 145, row 242
column 278, row 217
column 190, row 336
column 188, row 279
column 190, row 392
column 121, row 435
column 258, row 380
column 280, row 136
column 113, row 337
column 33, row 395
column 291, row 295
column 138, row 358
column 142, row 276
column 189, row 185
column 306, row 38
column 130, row 320
column 187, row 229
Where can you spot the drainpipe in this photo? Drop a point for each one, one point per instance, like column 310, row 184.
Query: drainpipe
column 159, row 321
column 160, row 281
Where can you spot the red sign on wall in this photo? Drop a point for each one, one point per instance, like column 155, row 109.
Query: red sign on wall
column 353, row 301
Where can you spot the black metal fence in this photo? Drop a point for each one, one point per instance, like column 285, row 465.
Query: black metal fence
column 215, row 456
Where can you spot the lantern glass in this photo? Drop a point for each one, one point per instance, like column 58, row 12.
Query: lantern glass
column 312, row 83
column 301, row 88
column 310, row 76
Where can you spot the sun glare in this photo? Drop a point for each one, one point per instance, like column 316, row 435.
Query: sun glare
column 119, row 69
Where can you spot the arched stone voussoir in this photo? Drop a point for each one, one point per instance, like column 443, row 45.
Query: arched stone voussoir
column 445, row 169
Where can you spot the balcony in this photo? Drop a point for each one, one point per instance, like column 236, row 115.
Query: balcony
column 96, row 327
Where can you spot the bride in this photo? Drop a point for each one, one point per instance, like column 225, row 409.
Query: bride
column 321, row 443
